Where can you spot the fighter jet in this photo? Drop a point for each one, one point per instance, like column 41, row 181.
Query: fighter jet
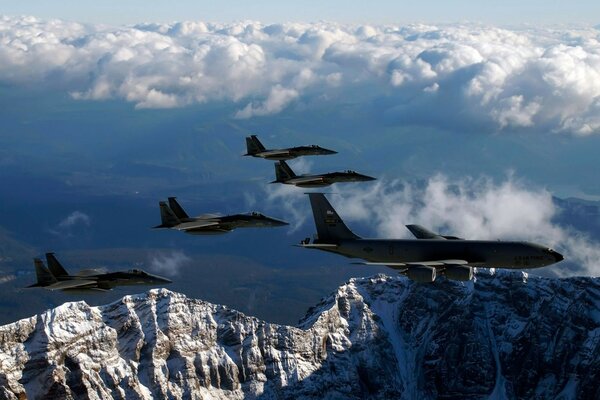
column 55, row 277
column 424, row 258
column 174, row 217
column 256, row 149
column 284, row 174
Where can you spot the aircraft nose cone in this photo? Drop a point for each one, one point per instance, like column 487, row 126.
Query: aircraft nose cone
column 557, row 256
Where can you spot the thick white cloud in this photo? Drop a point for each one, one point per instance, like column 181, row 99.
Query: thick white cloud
column 469, row 208
column 470, row 76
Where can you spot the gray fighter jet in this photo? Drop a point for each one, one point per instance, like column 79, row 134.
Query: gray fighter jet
column 284, row 174
column 256, row 149
column 424, row 258
column 174, row 217
column 55, row 277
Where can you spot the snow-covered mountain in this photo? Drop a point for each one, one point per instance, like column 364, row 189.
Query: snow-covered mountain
column 502, row 336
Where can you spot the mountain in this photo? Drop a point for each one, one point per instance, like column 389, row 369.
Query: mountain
column 505, row 335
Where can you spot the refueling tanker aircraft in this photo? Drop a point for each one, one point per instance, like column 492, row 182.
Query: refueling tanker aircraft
column 426, row 257
column 255, row 148
column 285, row 175
column 55, row 277
column 174, row 217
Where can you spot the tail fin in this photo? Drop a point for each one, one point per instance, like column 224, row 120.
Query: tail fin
column 330, row 227
column 167, row 216
column 283, row 172
column 54, row 266
column 177, row 209
column 253, row 145
column 44, row 277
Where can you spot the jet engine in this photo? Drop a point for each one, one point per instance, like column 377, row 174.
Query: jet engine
column 421, row 273
column 459, row 272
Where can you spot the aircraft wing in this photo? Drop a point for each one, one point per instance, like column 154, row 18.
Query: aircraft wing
column 308, row 180
column 275, row 153
column 318, row 246
column 73, row 284
column 423, row 233
column 439, row 263
column 197, row 225
column 91, row 271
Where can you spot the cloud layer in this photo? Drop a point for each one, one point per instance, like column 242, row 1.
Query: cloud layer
column 471, row 77
column 469, row 208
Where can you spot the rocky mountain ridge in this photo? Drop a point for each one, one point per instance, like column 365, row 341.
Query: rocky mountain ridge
column 502, row 336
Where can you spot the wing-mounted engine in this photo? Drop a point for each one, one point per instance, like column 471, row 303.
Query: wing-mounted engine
column 421, row 273
column 458, row 272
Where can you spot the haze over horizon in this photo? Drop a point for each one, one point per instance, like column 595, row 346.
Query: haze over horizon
column 508, row 13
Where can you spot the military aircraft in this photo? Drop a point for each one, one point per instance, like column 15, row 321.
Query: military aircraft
column 174, row 217
column 422, row 259
column 285, row 175
column 256, row 149
column 55, row 277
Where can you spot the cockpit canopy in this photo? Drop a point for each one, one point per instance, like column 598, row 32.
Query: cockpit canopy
column 256, row 214
column 136, row 271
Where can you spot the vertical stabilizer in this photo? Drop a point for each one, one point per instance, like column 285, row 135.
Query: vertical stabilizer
column 253, row 145
column 167, row 216
column 283, row 172
column 177, row 209
column 330, row 227
column 54, row 266
column 44, row 277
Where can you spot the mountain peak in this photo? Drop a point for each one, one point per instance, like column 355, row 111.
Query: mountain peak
column 376, row 337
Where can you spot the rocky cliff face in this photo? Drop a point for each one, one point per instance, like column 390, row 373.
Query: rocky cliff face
column 503, row 336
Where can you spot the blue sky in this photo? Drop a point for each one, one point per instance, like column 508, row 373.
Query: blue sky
column 507, row 12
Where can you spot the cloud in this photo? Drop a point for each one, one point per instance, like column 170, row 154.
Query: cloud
column 169, row 264
column 470, row 208
column 291, row 200
column 73, row 221
column 7, row 278
column 470, row 77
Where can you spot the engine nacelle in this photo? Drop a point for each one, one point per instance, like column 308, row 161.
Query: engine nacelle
column 459, row 272
column 421, row 273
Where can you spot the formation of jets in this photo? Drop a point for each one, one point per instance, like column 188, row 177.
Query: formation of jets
column 421, row 259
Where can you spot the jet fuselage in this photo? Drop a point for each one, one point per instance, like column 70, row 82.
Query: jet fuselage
column 314, row 181
column 225, row 224
column 294, row 152
column 485, row 253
